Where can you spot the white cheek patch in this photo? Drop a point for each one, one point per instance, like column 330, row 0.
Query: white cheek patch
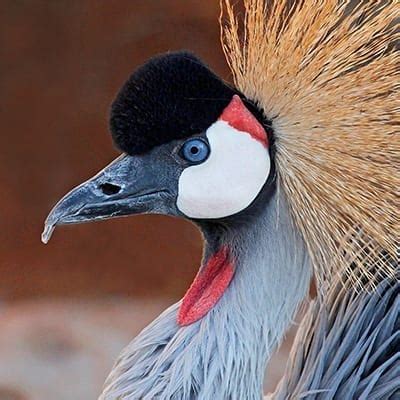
column 229, row 180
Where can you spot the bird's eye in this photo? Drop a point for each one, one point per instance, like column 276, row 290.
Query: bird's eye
column 195, row 150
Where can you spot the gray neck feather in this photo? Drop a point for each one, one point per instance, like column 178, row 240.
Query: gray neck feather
column 223, row 356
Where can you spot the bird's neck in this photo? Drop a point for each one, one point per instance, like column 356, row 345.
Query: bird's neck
column 223, row 355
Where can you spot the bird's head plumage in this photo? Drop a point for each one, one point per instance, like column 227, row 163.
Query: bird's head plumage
column 172, row 96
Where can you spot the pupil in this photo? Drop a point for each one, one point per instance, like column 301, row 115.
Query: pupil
column 194, row 150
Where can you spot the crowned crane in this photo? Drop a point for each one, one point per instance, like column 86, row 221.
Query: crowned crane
column 289, row 173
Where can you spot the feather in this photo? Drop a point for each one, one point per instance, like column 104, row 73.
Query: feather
column 347, row 347
column 326, row 73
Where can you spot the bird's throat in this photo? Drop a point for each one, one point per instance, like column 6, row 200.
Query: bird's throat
column 207, row 288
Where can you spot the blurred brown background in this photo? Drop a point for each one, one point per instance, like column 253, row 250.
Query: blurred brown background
column 68, row 308
column 62, row 62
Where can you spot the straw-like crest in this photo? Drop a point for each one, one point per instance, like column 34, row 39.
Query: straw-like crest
column 326, row 72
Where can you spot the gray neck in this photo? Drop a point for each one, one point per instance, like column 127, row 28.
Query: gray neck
column 223, row 356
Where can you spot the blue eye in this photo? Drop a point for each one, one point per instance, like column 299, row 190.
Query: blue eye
column 195, row 150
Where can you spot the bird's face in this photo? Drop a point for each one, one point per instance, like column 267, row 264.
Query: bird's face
column 193, row 147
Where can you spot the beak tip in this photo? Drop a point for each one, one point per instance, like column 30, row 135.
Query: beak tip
column 47, row 232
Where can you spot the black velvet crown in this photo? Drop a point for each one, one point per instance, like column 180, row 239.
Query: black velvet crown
column 172, row 96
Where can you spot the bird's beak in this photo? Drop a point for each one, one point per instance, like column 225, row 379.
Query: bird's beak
column 129, row 185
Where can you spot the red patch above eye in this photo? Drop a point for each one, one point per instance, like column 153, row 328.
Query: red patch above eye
column 239, row 117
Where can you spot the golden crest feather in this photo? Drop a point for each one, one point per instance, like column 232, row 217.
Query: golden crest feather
column 326, row 73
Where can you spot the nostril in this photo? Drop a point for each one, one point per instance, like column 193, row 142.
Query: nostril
column 109, row 189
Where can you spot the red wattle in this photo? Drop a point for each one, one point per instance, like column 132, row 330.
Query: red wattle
column 207, row 288
column 239, row 117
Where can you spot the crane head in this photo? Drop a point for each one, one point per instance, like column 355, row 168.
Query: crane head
column 192, row 146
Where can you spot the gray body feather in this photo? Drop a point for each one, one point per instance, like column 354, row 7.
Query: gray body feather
column 348, row 348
